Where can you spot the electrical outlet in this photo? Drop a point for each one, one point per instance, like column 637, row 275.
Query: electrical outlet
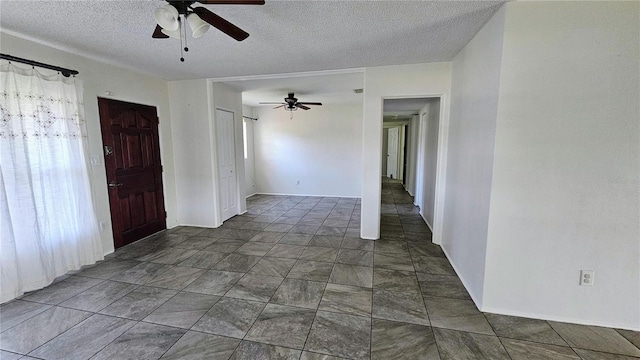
column 95, row 160
column 103, row 226
column 587, row 277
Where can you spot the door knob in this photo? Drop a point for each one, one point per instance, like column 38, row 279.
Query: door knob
column 114, row 185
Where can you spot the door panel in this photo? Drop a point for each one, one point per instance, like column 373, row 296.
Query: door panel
column 134, row 170
column 392, row 148
column 226, row 164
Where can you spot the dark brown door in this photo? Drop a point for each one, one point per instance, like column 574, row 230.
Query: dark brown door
column 134, row 171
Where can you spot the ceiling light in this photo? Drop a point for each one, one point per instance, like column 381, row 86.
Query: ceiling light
column 167, row 17
column 358, row 91
column 176, row 34
column 198, row 26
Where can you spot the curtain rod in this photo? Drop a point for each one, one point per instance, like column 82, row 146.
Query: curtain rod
column 250, row 118
column 65, row 72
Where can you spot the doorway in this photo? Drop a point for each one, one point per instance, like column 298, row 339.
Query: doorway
column 228, row 186
column 134, row 170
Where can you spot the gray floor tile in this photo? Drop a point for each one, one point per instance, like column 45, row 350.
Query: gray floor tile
column 331, row 230
column 340, row 335
column 392, row 340
column 296, row 239
column 99, row 296
column 249, row 350
column 425, row 248
column 255, row 287
column 204, row 259
column 286, row 251
column 214, row 282
column 198, row 346
column 109, row 268
column 393, row 261
column 230, row 317
column 282, row 325
column 310, row 270
column 326, row 241
column 255, row 225
column 268, row 237
column 632, row 336
column 176, row 278
column 526, row 350
column 355, row 243
column 196, row 243
column 6, row 355
column 173, row 256
column 355, row 257
column 457, row 314
column 225, row 245
column 460, row 345
column 254, row 248
column 237, row 263
column 17, row 311
column 63, row 290
column 442, row 286
column 391, row 247
column 315, row 253
column 522, row 329
column 142, row 341
column 288, row 220
column 595, row 338
column 352, row 275
column 432, row 265
column 39, row 329
column 395, row 280
column 397, row 306
column 307, row 355
column 189, row 230
column 85, row 339
column 139, row 303
column 183, row 310
column 347, row 299
column 594, row 355
column 300, row 293
column 271, row 266
column 141, row 273
column 304, row 229
column 279, row 227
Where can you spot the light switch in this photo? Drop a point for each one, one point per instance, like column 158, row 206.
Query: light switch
column 95, row 160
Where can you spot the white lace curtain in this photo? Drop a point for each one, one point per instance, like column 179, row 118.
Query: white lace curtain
column 47, row 220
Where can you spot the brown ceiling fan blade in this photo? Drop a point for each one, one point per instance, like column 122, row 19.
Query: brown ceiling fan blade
column 302, row 106
column 157, row 33
column 310, row 103
column 221, row 24
column 232, row 2
column 278, row 107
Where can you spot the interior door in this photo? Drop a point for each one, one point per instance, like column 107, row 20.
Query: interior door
column 392, row 159
column 228, row 186
column 134, row 171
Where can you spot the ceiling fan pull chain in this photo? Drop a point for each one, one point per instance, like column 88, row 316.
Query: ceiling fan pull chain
column 180, row 29
column 184, row 17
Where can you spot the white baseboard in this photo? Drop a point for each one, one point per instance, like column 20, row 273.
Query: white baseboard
column 524, row 314
column 307, row 195
column 248, row 196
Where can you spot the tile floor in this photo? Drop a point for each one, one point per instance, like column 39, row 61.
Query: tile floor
column 289, row 280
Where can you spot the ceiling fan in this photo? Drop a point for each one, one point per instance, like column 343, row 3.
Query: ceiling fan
column 171, row 16
column 291, row 103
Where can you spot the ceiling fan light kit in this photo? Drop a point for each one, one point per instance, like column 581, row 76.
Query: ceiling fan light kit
column 199, row 19
column 167, row 17
column 291, row 104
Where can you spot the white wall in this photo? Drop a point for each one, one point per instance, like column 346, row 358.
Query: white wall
column 125, row 85
column 193, row 152
column 320, row 147
column 227, row 98
column 249, row 162
column 412, row 155
column 427, row 207
column 401, row 81
column 567, row 166
column 474, row 106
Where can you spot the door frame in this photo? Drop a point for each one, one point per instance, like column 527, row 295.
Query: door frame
column 218, row 204
column 441, row 162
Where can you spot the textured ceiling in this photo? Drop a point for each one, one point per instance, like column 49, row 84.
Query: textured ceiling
column 286, row 36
